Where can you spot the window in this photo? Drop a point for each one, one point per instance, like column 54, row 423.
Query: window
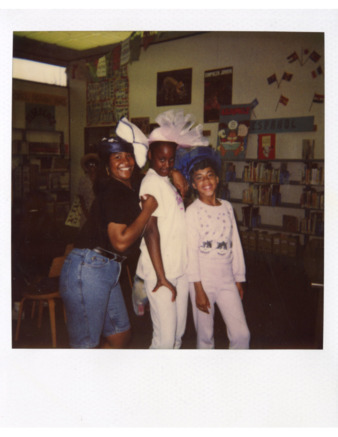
column 39, row 72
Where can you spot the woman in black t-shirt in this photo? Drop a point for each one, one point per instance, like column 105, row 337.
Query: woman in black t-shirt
column 89, row 282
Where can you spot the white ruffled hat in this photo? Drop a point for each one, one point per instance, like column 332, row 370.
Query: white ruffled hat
column 178, row 128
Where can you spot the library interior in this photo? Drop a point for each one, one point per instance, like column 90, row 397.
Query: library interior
column 260, row 99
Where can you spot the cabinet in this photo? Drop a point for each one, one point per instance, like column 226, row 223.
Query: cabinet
column 40, row 174
column 277, row 202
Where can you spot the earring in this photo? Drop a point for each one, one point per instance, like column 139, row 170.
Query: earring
column 107, row 170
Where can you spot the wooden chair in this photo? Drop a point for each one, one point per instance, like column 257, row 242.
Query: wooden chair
column 36, row 296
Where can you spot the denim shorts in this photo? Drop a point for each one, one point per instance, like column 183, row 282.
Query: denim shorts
column 92, row 296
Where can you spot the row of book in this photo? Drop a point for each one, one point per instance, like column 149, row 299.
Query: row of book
column 311, row 198
column 264, row 194
column 313, row 175
column 314, row 224
column 265, row 242
column 264, row 172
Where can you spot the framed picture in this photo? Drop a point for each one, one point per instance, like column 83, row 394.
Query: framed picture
column 217, row 92
column 142, row 123
column 266, row 146
column 174, row 87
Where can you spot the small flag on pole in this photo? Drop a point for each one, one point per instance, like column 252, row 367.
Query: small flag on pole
column 272, row 79
column 287, row 76
column 293, row 57
column 314, row 56
column 253, row 105
column 317, row 98
column 317, row 72
column 283, row 100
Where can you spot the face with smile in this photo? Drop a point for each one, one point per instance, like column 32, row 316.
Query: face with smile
column 162, row 158
column 121, row 166
column 205, row 181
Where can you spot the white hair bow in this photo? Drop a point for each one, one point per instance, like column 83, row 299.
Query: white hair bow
column 130, row 133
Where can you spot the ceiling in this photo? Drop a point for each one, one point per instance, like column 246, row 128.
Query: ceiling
column 62, row 47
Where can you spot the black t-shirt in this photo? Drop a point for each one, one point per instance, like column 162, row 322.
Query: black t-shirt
column 116, row 203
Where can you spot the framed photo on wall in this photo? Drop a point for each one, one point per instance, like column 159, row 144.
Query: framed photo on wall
column 217, row 92
column 174, row 87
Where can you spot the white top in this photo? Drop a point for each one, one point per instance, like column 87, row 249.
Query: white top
column 171, row 225
column 213, row 240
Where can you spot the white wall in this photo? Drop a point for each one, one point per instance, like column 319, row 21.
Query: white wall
column 254, row 57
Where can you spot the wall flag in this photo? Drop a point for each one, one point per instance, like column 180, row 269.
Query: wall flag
column 317, row 98
column 273, row 78
column 317, row 72
column 253, row 105
column 314, row 56
column 283, row 100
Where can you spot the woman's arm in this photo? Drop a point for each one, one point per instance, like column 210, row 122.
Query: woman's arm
column 152, row 239
column 122, row 236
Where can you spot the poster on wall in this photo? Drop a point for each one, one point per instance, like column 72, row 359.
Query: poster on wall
column 233, row 130
column 266, row 146
column 107, row 99
column 174, row 87
column 217, row 92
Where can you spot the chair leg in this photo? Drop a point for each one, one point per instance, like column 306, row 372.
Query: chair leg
column 40, row 313
column 19, row 320
column 51, row 304
column 33, row 309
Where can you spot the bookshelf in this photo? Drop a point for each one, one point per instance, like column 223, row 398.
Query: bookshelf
column 276, row 200
column 40, row 170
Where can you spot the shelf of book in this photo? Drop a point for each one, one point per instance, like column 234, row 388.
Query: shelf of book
column 258, row 188
column 41, row 167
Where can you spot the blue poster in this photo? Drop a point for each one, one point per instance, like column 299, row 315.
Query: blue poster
column 233, row 130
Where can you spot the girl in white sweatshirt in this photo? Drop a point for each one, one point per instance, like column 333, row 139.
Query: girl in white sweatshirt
column 216, row 267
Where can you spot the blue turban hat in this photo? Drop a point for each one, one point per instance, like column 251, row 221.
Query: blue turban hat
column 185, row 160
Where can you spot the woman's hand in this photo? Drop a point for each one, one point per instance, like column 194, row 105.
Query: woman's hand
column 165, row 283
column 201, row 299
column 180, row 182
column 149, row 202
column 240, row 289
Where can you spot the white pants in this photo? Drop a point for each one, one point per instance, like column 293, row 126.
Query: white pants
column 169, row 318
column 228, row 300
